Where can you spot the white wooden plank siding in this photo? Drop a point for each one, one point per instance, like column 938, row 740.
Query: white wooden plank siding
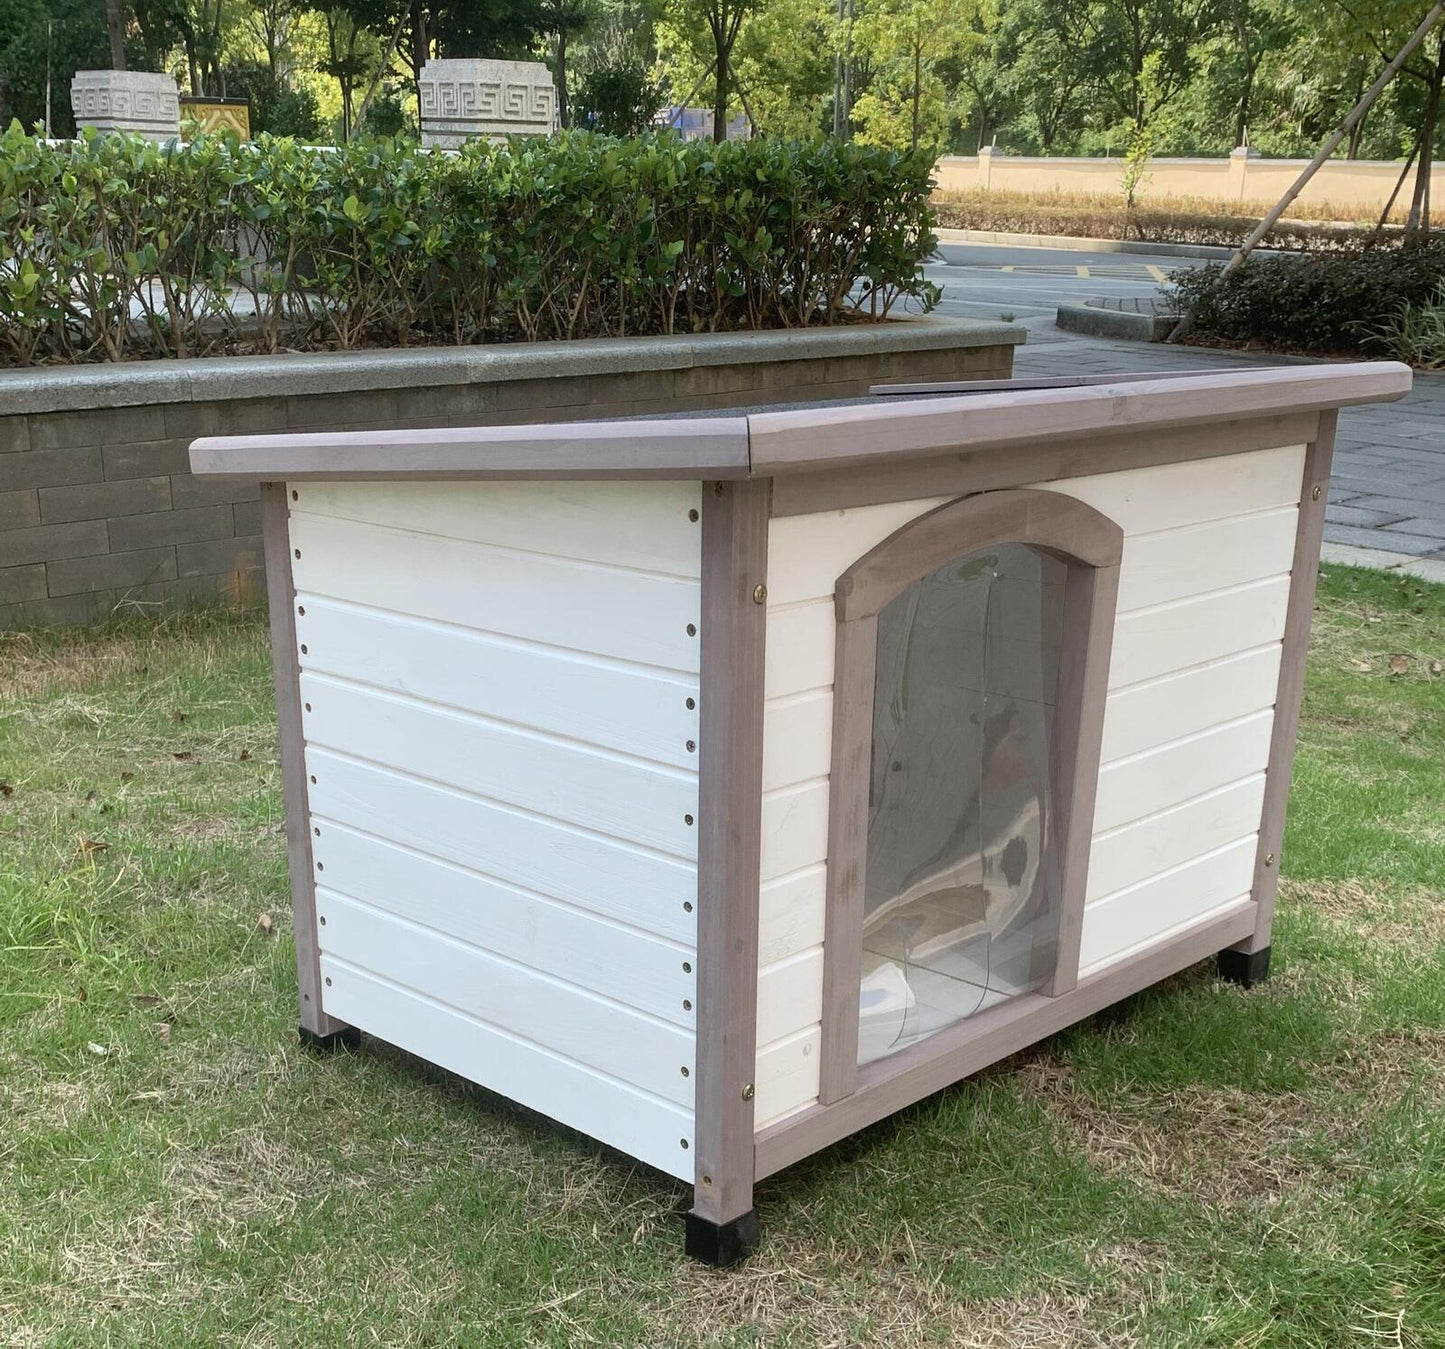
column 1203, row 587
column 603, row 1107
column 495, row 682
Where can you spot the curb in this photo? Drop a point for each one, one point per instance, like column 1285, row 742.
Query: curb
column 1376, row 559
column 1117, row 323
column 1080, row 244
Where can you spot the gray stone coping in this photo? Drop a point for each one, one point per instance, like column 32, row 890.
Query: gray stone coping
column 215, row 378
column 1132, row 319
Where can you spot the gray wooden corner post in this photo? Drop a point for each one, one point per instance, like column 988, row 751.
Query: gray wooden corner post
column 1248, row 962
column 722, row 1226
column 316, row 1027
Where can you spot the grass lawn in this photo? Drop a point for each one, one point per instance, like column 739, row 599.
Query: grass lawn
column 1199, row 1166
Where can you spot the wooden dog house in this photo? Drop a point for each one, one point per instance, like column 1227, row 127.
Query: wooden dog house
column 719, row 785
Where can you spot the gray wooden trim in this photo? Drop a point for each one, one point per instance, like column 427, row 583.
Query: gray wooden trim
column 1057, row 523
column 892, row 431
column 891, row 1084
column 1090, row 602
column 1304, row 574
column 854, row 665
column 1049, row 460
column 281, row 596
column 695, row 447
column 936, row 387
column 1092, row 545
column 730, row 794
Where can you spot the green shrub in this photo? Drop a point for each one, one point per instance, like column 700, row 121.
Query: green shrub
column 113, row 247
column 1331, row 303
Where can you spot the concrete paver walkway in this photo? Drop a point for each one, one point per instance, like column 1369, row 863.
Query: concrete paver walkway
column 1387, row 494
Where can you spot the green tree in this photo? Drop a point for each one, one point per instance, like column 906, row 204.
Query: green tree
column 907, row 41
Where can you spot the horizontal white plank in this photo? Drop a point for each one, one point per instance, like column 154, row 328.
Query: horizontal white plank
column 1127, row 856
column 795, row 829
column 644, row 889
column 632, row 616
column 644, row 525
column 641, row 1125
column 1147, row 911
column 790, row 995
column 1177, row 563
column 619, row 962
column 799, row 652
column 791, row 914
column 624, row 798
column 1163, row 496
column 1150, row 782
column 786, row 1075
column 618, row 706
column 1153, row 642
column 622, row 1042
column 807, row 553
column 1176, row 705
column 797, row 738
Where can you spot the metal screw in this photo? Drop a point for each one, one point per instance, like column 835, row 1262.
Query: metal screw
column 308, row 707
column 687, row 819
column 687, row 1004
column 691, row 703
column 707, row 1180
column 298, row 552
column 683, row 1141
column 301, row 609
column 691, row 745
column 328, row 981
column 322, row 920
column 1269, row 859
column 692, row 515
column 748, row 1092
column 295, row 496
column 760, row 594
column 685, row 1073
column 1317, row 493
column 692, row 629
column 687, row 906
column 687, row 967
column 304, row 648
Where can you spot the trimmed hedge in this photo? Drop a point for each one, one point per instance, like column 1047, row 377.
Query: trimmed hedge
column 1330, row 304
column 113, row 247
column 1186, row 223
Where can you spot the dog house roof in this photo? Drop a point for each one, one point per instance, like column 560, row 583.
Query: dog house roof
column 966, row 419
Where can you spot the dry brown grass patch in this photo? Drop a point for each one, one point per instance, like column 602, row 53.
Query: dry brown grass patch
column 1414, row 918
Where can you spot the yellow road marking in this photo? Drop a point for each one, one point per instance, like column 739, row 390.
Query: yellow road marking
column 1156, row 272
column 1082, row 271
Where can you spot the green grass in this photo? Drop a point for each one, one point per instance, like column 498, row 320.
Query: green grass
column 1198, row 1166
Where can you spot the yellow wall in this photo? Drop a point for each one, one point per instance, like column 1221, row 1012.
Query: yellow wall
column 1362, row 185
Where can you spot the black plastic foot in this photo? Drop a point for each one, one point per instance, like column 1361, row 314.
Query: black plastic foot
column 1245, row 968
column 722, row 1244
column 346, row 1038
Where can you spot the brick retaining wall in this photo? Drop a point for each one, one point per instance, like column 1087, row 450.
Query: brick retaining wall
column 98, row 508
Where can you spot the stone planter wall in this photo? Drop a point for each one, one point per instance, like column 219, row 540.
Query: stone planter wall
column 98, row 509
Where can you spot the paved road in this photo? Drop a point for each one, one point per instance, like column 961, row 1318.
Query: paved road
column 986, row 280
column 1387, row 496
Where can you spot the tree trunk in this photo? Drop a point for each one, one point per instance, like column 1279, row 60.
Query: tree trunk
column 563, row 115
column 917, row 86
column 115, row 26
column 420, row 44
column 720, row 89
column 1246, row 94
column 1417, row 224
